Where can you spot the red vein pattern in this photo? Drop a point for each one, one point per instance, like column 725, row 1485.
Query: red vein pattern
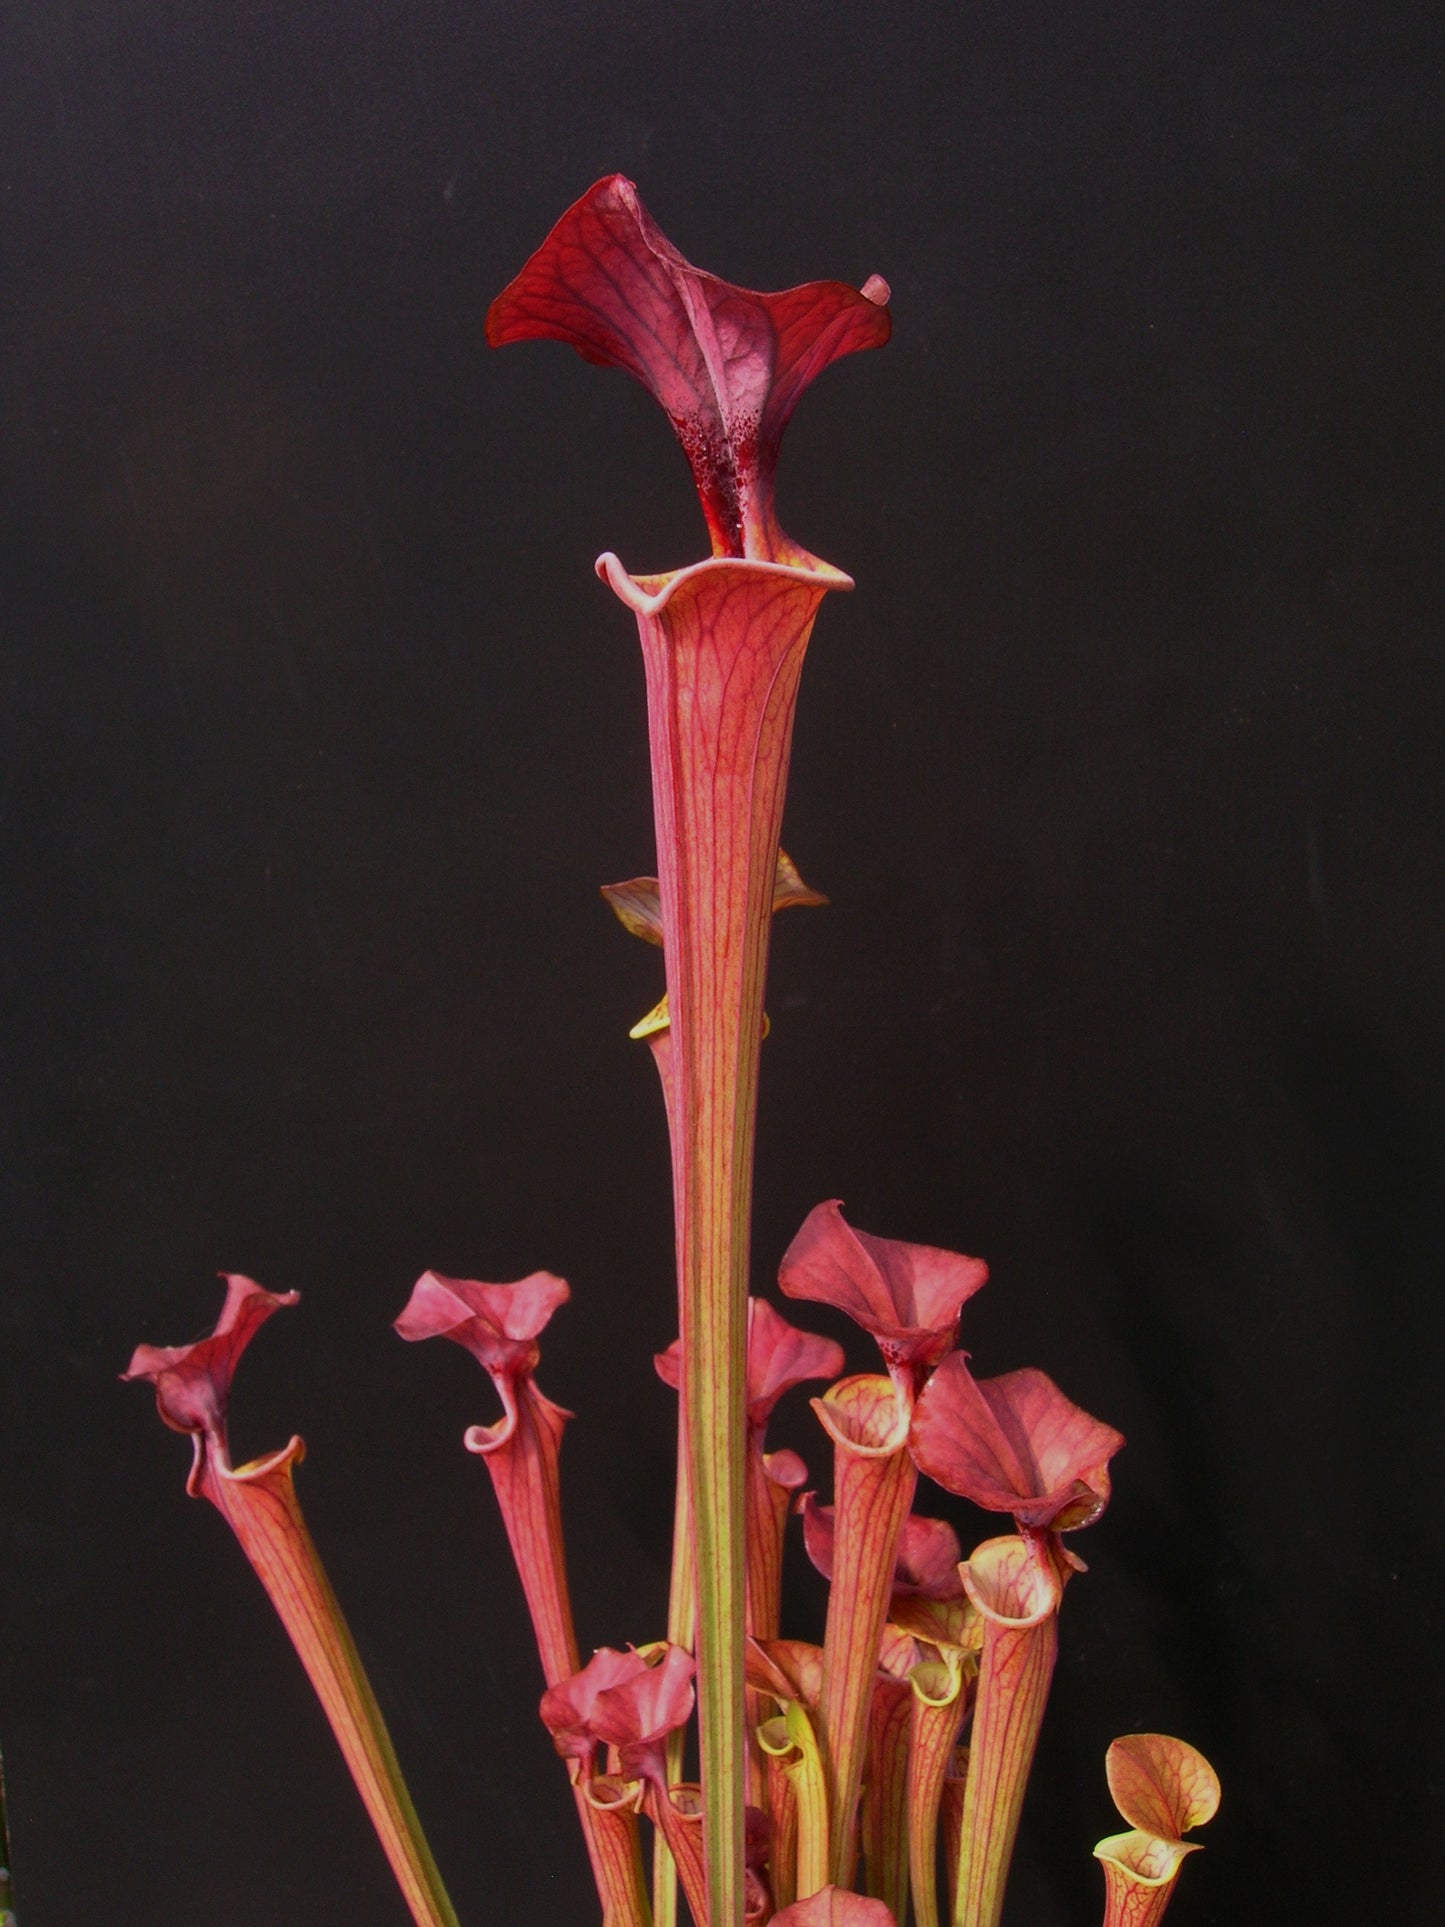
column 1014, row 1444
column 521, row 1454
column 616, row 1856
column 500, row 1325
column 620, row 1701
column 723, row 646
column 676, row 1812
column 1019, row 1598
column 1161, row 1785
column 885, row 1799
column 780, row 1358
column 727, row 365
column 1139, row 1875
column 927, row 1562
column 873, row 1485
column 908, row 1296
column 258, row 1501
column 940, row 1699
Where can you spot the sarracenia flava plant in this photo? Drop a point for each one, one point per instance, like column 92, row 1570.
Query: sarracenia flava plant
column 880, row 1777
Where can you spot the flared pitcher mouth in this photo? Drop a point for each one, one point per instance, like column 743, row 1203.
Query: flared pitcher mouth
column 648, row 595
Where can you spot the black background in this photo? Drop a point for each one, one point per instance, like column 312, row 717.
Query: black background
column 1121, row 767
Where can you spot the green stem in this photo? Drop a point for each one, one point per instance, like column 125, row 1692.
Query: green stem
column 791, row 1738
column 681, row 1631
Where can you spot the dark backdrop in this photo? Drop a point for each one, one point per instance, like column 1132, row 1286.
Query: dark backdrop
column 1121, row 768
